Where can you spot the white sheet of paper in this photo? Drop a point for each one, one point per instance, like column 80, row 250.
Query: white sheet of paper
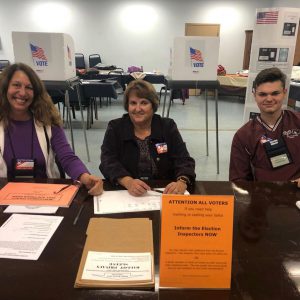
column 111, row 266
column 26, row 236
column 31, row 209
column 121, row 201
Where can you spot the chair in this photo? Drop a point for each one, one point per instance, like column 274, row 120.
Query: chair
column 93, row 90
column 182, row 94
column 4, row 63
column 94, row 59
column 85, row 103
column 79, row 61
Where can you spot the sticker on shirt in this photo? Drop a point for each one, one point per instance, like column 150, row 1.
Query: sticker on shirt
column 24, row 164
column 161, row 148
column 264, row 139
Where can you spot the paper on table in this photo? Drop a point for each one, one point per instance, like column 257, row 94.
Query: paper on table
column 129, row 235
column 26, row 236
column 112, row 266
column 31, row 209
column 26, row 193
column 122, row 201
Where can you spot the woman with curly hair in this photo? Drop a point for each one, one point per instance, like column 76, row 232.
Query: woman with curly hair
column 31, row 135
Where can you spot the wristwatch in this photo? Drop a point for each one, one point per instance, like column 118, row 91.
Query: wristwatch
column 184, row 179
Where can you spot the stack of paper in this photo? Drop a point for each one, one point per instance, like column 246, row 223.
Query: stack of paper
column 118, row 253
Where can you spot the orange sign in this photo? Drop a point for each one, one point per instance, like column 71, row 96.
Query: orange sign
column 196, row 241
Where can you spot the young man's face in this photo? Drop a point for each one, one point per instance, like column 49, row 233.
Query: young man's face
column 269, row 96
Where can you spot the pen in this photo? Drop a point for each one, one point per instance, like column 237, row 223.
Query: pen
column 62, row 189
column 78, row 214
column 158, row 191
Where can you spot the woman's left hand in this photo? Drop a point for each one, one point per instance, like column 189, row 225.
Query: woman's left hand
column 93, row 183
column 297, row 181
column 177, row 187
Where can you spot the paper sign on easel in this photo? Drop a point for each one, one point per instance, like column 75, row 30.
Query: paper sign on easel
column 196, row 241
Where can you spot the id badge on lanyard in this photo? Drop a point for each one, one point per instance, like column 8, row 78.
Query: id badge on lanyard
column 23, row 168
column 277, row 153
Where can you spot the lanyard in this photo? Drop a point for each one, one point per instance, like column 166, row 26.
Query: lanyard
column 11, row 144
column 263, row 125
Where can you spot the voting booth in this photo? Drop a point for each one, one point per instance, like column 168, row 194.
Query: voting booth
column 194, row 58
column 51, row 55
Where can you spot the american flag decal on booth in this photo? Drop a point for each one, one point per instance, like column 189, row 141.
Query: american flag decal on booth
column 38, row 56
column 196, row 58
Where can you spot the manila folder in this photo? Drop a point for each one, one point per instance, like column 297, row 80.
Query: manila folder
column 132, row 235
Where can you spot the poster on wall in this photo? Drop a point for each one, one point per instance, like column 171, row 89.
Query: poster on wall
column 273, row 45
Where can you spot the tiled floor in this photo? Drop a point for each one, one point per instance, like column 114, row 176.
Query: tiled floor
column 190, row 119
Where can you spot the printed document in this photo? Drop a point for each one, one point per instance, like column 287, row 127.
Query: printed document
column 122, row 201
column 26, row 236
column 31, row 209
column 112, row 266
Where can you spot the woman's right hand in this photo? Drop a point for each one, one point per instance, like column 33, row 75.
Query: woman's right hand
column 135, row 187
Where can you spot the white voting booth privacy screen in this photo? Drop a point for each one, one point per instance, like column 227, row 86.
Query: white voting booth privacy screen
column 51, row 55
column 273, row 45
column 194, row 58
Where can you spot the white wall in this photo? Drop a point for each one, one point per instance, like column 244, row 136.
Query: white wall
column 286, row 3
column 96, row 26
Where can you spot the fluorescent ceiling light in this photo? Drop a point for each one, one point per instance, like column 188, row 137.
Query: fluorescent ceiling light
column 138, row 18
column 51, row 16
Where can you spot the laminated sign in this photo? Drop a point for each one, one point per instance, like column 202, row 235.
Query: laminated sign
column 196, row 241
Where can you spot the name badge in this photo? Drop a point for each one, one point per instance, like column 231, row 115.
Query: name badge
column 280, row 160
column 277, row 153
column 161, row 148
column 24, row 164
column 23, row 168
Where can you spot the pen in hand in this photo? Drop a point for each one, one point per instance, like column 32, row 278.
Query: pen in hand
column 157, row 190
column 62, row 189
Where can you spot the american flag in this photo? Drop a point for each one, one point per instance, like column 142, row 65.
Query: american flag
column 267, row 17
column 38, row 52
column 196, row 54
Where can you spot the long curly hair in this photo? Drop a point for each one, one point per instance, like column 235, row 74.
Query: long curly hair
column 42, row 106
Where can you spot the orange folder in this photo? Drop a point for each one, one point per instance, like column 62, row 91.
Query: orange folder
column 39, row 194
column 196, row 241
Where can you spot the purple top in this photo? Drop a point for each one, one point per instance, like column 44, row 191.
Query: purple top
column 21, row 133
